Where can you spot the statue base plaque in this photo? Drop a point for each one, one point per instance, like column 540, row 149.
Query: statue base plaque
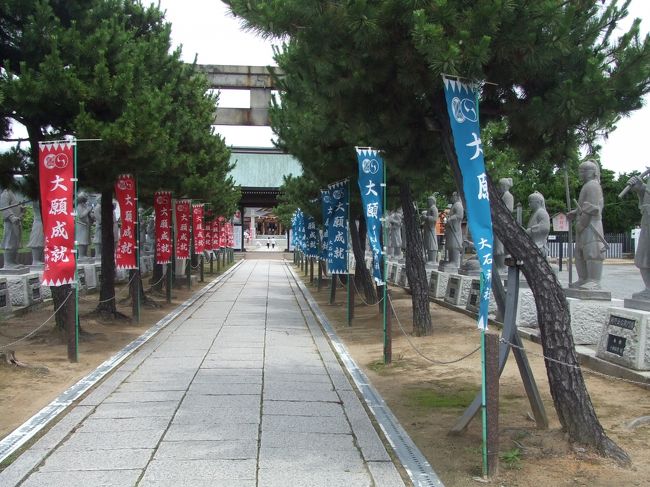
column 458, row 290
column 624, row 338
column 438, row 284
column 5, row 300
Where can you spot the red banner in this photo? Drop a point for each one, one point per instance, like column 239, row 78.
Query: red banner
column 231, row 236
column 208, row 235
column 216, row 231
column 56, row 180
column 162, row 202
column 183, row 229
column 126, row 251
column 197, row 227
column 222, row 233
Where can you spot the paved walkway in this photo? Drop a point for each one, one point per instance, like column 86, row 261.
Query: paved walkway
column 240, row 390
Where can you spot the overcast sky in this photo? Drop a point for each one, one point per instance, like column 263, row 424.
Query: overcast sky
column 205, row 28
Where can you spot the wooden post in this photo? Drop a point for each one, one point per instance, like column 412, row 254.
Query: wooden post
column 134, row 291
column 388, row 339
column 211, row 262
column 311, row 270
column 320, row 274
column 169, row 282
column 188, row 272
column 333, row 288
column 201, row 276
column 351, row 295
column 492, row 402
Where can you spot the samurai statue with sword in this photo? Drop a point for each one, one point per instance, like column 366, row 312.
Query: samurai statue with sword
column 590, row 246
column 642, row 254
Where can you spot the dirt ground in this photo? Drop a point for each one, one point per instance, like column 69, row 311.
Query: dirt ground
column 26, row 390
column 427, row 399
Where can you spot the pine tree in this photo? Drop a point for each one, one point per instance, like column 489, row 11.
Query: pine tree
column 560, row 80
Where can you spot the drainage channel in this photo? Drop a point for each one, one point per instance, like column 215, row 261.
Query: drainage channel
column 417, row 467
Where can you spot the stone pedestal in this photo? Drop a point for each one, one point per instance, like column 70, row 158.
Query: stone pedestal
column 179, row 268
column 448, row 267
column 587, row 315
column 624, row 338
column 474, row 298
column 402, row 279
column 81, row 278
column 588, row 294
column 638, row 304
column 438, row 284
column 90, row 276
column 24, row 290
column 121, row 275
column 392, row 272
column 5, row 299
column 457, row 289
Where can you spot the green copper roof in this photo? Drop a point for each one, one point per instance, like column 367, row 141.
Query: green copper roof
column 262, row 168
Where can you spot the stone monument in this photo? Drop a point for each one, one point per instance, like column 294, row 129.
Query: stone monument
column 97, row 236
column 395, row 221
column 84, row 220
column 12, row 213
column 641, row 299
column 539, row 223
column 430, row 239
column 36, row 238
column 590, row 242
column 509, row 200
column 453, row 235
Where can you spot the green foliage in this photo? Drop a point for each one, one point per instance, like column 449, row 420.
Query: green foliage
column 512, row 458
column 433, row 399
column 102, row 69
column 369, row 74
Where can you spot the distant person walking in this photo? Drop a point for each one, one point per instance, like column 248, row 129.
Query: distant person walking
column 273, row 243
column 268, row 242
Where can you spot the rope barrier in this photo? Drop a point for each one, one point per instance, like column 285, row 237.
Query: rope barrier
column 40, row 326
column 589, row 371
column 356, row 289
column 128, row 284
column 432, row 361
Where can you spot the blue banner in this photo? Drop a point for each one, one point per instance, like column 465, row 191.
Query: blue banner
column 312, row 237
column 327, row 209
column 462, row 107
column 338, row 228
column 298, row 224
column 371, row 179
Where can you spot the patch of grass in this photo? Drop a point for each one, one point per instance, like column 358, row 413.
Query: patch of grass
column 379, row 367
column 512, row 458
column 431, row 399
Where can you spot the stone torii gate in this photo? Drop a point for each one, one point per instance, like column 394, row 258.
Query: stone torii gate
column 256, row 79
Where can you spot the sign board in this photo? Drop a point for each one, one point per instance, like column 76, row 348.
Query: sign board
column 616, row 344
column 560, row 222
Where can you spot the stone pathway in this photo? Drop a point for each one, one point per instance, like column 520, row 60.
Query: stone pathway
column 239, row 391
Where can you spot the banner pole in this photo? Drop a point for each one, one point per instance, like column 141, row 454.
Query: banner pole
column 483, row 405
column 387, row 352
column 137, row 250
column 76, row 266
column 347, row 253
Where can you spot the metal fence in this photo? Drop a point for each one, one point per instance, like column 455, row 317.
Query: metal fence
column 619, row 244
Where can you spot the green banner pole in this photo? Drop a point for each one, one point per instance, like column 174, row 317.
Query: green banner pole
column 484, row 405
column 76, row 267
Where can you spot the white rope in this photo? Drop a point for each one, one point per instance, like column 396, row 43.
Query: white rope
column 41, row 325
column 430, row 360
column 593, row 372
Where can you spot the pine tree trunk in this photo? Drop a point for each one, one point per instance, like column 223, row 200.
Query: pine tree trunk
column 362, row 276
column 570, row 397
column 64, row 314
column 107, row 285
column 157, row 280
column 415, row 265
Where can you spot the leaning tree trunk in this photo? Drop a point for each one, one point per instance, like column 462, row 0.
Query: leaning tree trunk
column 107, row 305
column 65, row 313
column 570, row 397
column 362, row 275
column 415, row 265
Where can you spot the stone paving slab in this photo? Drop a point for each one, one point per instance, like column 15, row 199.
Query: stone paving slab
column 242, row 390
